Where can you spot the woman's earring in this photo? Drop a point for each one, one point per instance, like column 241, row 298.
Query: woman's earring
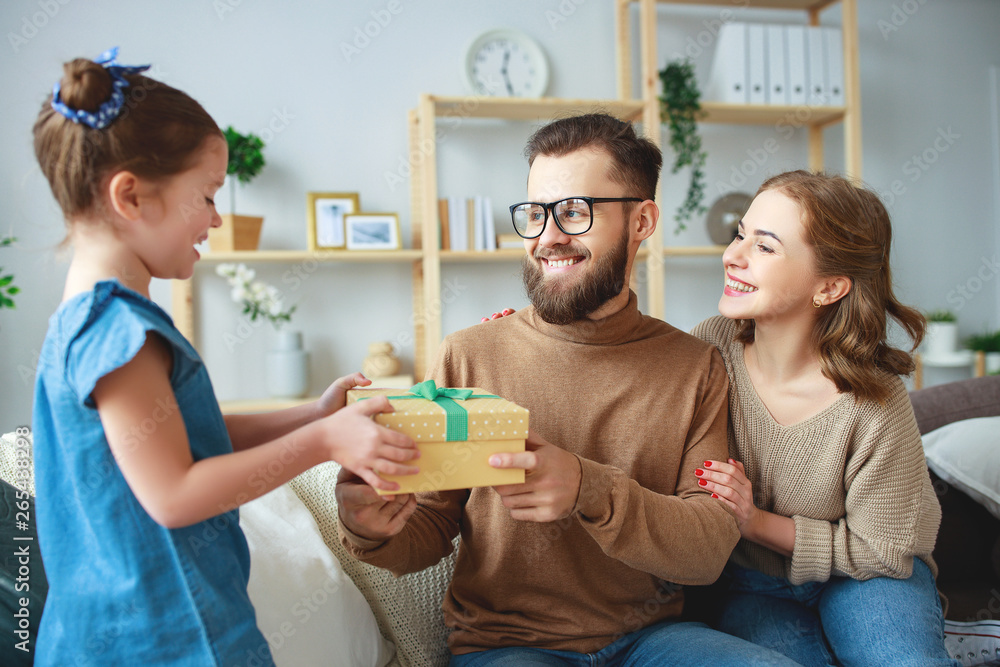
column 817, row 303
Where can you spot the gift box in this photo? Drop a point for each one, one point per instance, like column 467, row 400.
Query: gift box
column 456, row 431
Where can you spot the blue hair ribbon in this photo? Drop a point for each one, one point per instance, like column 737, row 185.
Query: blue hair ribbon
column 112, row 107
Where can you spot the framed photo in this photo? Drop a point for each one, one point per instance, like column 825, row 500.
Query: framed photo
column 326, row 211
column 372, row 231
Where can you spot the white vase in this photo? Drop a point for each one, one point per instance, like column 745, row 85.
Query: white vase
column 941, row 339
column 287, row 366
column 992, row 363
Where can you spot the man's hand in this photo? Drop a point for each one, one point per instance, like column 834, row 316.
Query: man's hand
column 367, row 514
column 551, row 481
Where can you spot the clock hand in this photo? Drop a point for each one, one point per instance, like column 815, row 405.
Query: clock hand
column 503, row 70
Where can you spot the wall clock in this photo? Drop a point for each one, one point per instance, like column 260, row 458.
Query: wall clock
column 506, row 63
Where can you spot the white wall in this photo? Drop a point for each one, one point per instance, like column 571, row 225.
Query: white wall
column 339, row 123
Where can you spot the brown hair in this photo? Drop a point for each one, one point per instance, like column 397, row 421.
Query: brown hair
column 155, row 135
column 850, row 234
column 635, row 160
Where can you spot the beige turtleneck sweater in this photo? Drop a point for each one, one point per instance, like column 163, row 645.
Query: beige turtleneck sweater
column 641, row 404
column 853, row 477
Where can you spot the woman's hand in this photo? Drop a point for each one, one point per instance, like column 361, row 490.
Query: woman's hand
column 335, row 396
column 728, row 482
column 496, row 316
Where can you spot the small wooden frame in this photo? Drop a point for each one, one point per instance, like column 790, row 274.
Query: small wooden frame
column 372, row 231
column 325, row 212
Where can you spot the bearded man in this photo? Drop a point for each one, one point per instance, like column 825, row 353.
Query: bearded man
column 580, row 564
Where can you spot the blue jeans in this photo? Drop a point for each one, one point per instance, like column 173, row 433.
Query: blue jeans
column 843, row 621
column 663, row 644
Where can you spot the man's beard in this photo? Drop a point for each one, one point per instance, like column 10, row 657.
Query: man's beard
column 557, row 304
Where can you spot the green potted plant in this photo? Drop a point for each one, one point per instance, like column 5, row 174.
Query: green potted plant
column 941, row 339
column 989, row 344
column 7, row 287
column 680, row 108
column 246, row 159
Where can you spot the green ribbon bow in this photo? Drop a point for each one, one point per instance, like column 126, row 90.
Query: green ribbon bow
column 456, row 417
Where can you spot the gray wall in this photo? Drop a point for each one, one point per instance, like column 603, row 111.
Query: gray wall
column 337, row 122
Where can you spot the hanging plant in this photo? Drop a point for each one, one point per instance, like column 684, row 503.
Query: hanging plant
column 680, row 109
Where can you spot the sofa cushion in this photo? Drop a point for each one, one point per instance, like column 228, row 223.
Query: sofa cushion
column 407, row 608
column 943, row 404
column 966, row 454
column 309, row 611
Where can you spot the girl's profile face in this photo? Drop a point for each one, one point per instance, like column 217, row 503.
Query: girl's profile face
column 770, row 269
column 181, row 213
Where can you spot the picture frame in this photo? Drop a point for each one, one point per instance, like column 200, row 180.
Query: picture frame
column 325, row 212
column 372, row 231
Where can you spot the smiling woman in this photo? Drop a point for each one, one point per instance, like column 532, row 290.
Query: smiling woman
column 826, row 478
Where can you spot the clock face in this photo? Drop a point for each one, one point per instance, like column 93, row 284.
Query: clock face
column 503, row 63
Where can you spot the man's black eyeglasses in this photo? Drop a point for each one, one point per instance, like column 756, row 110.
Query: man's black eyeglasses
column 573, row 215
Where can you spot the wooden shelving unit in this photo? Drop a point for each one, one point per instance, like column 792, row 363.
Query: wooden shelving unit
column 426, row 257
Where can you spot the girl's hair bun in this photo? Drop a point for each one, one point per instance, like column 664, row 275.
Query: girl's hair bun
column 85, row 85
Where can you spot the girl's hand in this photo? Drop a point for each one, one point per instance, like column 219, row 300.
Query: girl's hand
column 335, row 396
column 496, row 316
column 728, row 482
column 368, row 449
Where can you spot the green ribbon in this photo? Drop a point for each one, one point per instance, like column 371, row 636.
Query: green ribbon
column 456, row 417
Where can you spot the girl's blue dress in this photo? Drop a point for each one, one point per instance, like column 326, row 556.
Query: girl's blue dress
column 122, row 588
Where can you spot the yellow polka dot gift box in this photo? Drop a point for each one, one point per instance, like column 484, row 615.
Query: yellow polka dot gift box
column 456, row 431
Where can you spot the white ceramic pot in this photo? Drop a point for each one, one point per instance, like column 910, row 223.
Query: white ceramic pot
column 287, row 366
column 941, row 339
column 992, row 362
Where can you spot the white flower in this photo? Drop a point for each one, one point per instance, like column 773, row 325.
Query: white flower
column 226, row 270
column 257, row 297
column 244, row 274
column 275, row 308
column 239, row 294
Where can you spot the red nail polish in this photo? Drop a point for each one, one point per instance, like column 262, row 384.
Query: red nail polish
column 708, row 464
column 702, row 482
column 715, row 495
column 485, row 319
column 699, row 472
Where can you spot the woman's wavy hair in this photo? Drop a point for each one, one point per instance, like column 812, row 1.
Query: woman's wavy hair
column 849, row 231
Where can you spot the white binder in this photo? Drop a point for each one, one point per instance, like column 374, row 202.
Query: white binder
column 756, row 64
column 834, row 42
column 795, row 43
column 728, row 79
column 819, row 93
column 478, row 220
column 777, row 65
column 458, row 223
column 489, row 223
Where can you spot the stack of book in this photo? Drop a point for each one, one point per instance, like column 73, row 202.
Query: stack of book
column 778, row 64
column 467, row 223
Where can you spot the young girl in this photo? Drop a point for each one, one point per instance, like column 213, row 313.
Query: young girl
column 828, row 480
column 138, row 473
